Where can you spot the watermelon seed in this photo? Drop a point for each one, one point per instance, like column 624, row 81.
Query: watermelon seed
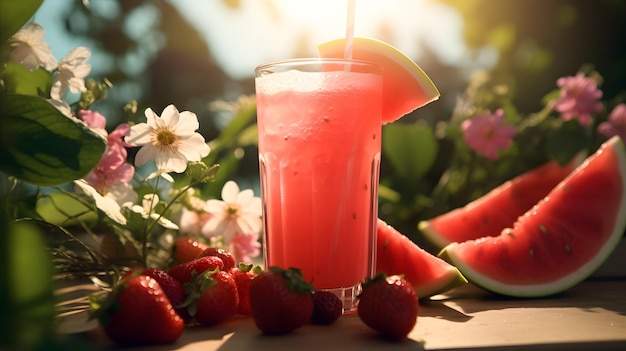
column 568, row 249
column 509, row 232
column 543, row 229
column 532, row 252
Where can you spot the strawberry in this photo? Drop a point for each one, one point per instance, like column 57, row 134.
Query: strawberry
column 213, row 297
column 243, row 274
column 388, row 304
column 138, row 312
column 281, row 300
column 188, row 249
column 184, row 272
column 327, row 307
column 227, row 257
column 173, row 288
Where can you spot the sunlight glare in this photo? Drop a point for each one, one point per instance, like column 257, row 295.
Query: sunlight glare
column 262, row 31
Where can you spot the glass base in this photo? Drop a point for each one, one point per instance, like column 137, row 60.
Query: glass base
column 348, row 297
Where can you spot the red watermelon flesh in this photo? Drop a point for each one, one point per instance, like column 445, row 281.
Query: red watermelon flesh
column 397, row 254
column 560, row 241
column 511, row 200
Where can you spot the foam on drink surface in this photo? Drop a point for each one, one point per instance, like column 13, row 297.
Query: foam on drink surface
column 305, row 82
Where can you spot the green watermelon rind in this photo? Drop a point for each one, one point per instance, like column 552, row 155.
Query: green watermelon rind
column 431, row 234
column 568, row 281
column 455, row 280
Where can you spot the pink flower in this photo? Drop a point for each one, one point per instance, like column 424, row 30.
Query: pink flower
column 106, row 174
column 579, row 98
column 112, row 168
column 191, row 222
column 616, row 124
column 116, row 146
column 93, row 119
column 245, row 246
column 486, row 133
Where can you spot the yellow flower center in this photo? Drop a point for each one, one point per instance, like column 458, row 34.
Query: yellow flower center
column 232, row 211
column 166, row 139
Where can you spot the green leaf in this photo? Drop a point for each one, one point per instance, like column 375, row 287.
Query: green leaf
column 241, row 120
column 411, row 149
column 29, row 310
column 248, row 136
column 228, row 166
column 40, row 145
column 14, row 14
column 232, row 132
column 562, row 144
column 19, row 80
column 387, row 193
column 64, row 210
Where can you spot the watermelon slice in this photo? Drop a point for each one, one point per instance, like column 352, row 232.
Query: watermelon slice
column 406, row 86
column 511, row 199
column 397, row 254
column 560, row 241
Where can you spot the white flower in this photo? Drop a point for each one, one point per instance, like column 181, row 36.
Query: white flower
column 71, row 73
column 122, row 193
column 146, row 210
column 171, row 140
column 106, row 204
column 29, row 48
column 240, row 212
column 168, row 178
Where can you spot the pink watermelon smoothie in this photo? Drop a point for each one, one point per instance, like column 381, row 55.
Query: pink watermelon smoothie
column 319, row 154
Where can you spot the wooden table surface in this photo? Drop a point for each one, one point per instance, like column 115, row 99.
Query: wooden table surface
column 591, row 315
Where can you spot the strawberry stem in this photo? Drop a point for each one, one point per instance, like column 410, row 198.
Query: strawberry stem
column 295, row 279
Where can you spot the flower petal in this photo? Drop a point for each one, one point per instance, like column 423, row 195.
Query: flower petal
column 170, row 116
column 151, row 117
column 194, row 148
column 187, row 124
column 230, row 191
column 215, row 207
column 170, row 162
column 139, row 134
column 145, row 154
column 106, row 205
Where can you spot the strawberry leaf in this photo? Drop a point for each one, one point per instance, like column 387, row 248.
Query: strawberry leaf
column 295, row 279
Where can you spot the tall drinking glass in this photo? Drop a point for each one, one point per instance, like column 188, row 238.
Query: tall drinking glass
column 319, row 123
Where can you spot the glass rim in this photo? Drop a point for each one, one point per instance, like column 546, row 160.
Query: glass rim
column 312, row 61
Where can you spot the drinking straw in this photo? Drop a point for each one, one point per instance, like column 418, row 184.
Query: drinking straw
column 347, row 54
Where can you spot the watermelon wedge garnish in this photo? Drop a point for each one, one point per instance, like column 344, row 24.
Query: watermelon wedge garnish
column 397, row 254
column 499, row 208
column 560, row 241
column 406, row 87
